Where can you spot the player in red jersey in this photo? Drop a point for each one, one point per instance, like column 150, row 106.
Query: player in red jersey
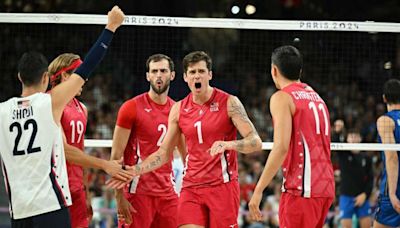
column 301, row 146
column 73, row 121
column 141, row 127
column 209, row 119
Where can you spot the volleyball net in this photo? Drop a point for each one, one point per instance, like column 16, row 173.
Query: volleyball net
column 346, row 62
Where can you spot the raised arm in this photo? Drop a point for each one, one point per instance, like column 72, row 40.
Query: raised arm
column 251, row 141
column 63, row 93
column 164, row 153
column 280, row 106
column 385, row 127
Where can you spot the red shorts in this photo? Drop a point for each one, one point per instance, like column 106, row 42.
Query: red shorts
column 78, row 210
column 152, row 211
column 298, row 212
column 212, row 207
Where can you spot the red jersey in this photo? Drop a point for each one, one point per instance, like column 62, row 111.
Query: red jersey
column 73, row 122
column 307, row 169
column 148, row 122
column 202, row 125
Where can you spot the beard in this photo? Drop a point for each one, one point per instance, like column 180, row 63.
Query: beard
column 160, row 90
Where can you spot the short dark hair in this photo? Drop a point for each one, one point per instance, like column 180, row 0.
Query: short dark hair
column 354, row 131
column 31, row 67
column 391, row 90
column 195, row 57
column 157, row 58
column 289, row 61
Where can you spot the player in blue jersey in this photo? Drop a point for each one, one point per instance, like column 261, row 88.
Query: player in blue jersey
column 388, row 210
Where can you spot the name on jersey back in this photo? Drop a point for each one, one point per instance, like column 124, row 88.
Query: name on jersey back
column 24, row 110
column 303, row 95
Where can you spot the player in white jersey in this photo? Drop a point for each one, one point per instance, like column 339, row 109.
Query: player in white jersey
column 31, row 139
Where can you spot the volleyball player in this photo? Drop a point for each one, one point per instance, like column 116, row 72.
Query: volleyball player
column 301, row 146
column 141, row 127
column 32, row 145
column 209, row 119
column 356, row 182
column 388, row 211
column 73, row 123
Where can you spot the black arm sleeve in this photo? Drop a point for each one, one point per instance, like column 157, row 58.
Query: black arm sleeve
column 95, row 54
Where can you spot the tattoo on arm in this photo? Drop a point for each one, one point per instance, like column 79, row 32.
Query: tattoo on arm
column 239, row 118
column 236, row 109
column 154, row 164
column 138, row 169
column 239, row 145
column 253, row 142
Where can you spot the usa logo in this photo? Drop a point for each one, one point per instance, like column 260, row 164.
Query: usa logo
column 23, row 103
column 214, row 107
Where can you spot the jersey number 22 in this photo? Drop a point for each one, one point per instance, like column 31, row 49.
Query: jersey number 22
column 16, row 126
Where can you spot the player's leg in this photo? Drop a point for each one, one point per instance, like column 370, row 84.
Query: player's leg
column 192, row 213
column 167, row 212
column 78, row 210
column 144, row 214
column 364, row 215
column 346, row 206
column 223, row 202
column 385, row 215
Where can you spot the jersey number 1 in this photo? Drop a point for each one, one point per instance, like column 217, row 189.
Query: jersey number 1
column 199, row 134
column 30, row 148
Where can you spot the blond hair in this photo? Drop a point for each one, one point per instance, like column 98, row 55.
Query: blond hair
column 62, row 61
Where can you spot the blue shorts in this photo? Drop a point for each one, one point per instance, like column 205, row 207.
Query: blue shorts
column 385, row 214
column 59, row 219
column 347, row 208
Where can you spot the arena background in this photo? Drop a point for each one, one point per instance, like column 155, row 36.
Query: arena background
column 346, row 68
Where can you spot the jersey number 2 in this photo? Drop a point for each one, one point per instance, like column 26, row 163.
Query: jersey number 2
column 163, row 130
column 30, row 148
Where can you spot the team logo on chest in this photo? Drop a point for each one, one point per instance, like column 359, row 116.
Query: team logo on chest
column 214, row 107
column 148, row 109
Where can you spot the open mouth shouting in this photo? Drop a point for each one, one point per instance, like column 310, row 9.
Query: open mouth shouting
column 197, row 85
column 159, row 83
